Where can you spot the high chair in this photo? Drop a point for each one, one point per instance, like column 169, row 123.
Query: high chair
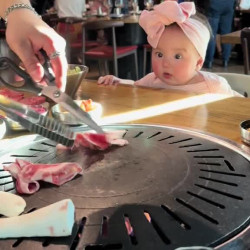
column 238, row 82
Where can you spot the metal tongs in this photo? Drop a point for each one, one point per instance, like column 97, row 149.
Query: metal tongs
column 33, row 121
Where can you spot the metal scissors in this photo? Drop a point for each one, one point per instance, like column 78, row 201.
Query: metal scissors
column 50, row 91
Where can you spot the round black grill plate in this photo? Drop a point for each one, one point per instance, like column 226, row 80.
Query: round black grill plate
column 173, row 186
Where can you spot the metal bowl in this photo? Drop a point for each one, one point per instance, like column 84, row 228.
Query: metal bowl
column 64, row 116
column 245, row 131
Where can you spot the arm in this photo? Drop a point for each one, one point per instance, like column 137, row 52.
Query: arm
column 113, row 80
column 26, row 34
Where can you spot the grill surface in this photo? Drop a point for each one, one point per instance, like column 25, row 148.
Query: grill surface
column 194, row 187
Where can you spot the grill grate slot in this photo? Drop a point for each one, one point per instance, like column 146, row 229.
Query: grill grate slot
column 139, row 134
column 183, row 224
column 219, row 181
column 190, row 145
column 79, row 233
column 203, row 150
column 166, row 138
column 125, row 133
column 7, row 162
column 9, row 189
column 130, row 230
column 48, row 144
column 5, row 183
column 220, row 192
column 39, row 150
column 208, row 218
column 104, row 247
column 17, row 242
column 23, row 156
column 46, row 242
column 230, row 167
column 4, row 174
column 209, row 156
column 158, row 133
column 221, row 172
column 104, row 228
column 206, row 200
column 184, row 140
column 157, row 228
column 209, row 163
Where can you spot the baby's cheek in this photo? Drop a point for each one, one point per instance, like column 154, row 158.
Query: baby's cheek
column 155, row 67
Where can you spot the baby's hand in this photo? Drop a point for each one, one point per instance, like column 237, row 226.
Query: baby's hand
column 108, row 80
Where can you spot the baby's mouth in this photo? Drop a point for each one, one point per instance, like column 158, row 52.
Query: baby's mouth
column 167, row 75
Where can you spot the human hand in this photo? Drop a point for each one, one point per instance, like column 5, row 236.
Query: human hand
column 109, row 80
column 26, row 34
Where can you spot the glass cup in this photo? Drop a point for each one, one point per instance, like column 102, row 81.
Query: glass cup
column 119, row 4
column 76, row 73
column 109, row 5
column 149, row 4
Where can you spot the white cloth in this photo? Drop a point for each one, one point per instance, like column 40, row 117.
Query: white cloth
column 70, row 8
column 245, row 4
column 212, row 84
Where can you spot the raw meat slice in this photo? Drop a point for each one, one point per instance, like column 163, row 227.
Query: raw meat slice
column 28, row 174
column 39, row 109
column 100, row 141
column 33, row 100
column 11, row 94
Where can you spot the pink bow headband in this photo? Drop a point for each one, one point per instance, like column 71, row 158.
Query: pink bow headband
column 168, row 12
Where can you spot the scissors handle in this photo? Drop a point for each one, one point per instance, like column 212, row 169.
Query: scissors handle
column 48, row 71
column 29, row 85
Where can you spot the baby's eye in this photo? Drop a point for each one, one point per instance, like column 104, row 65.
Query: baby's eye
column 159, row 54
column 178, row 56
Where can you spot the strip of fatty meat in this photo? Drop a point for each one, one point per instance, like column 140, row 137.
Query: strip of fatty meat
column 28, row 174
column 11, row 94
column 100, row 141
column 33, row 100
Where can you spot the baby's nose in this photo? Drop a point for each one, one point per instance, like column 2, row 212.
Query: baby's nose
column 166, row 61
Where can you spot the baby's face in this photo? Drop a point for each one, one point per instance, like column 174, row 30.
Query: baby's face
column 175, row 60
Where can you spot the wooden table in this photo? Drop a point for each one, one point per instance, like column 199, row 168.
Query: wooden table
column 208, row 113
column 232, row 38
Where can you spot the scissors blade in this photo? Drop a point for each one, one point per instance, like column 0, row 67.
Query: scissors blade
column 67, row 103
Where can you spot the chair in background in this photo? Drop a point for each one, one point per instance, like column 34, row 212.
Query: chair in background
column 238, row 82
column 71, row 29
column 105, row 53
column 146, row 49
column 245, row 41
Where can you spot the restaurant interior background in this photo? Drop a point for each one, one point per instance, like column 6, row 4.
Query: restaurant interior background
column 214, row 207
column 132, row 32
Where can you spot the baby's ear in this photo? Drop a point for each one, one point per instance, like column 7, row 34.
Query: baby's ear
column 199, row 64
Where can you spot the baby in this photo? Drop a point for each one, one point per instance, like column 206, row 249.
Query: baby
column 179, row 44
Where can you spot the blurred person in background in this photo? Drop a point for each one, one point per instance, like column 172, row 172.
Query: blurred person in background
column 220, row 14
column 72, row 8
